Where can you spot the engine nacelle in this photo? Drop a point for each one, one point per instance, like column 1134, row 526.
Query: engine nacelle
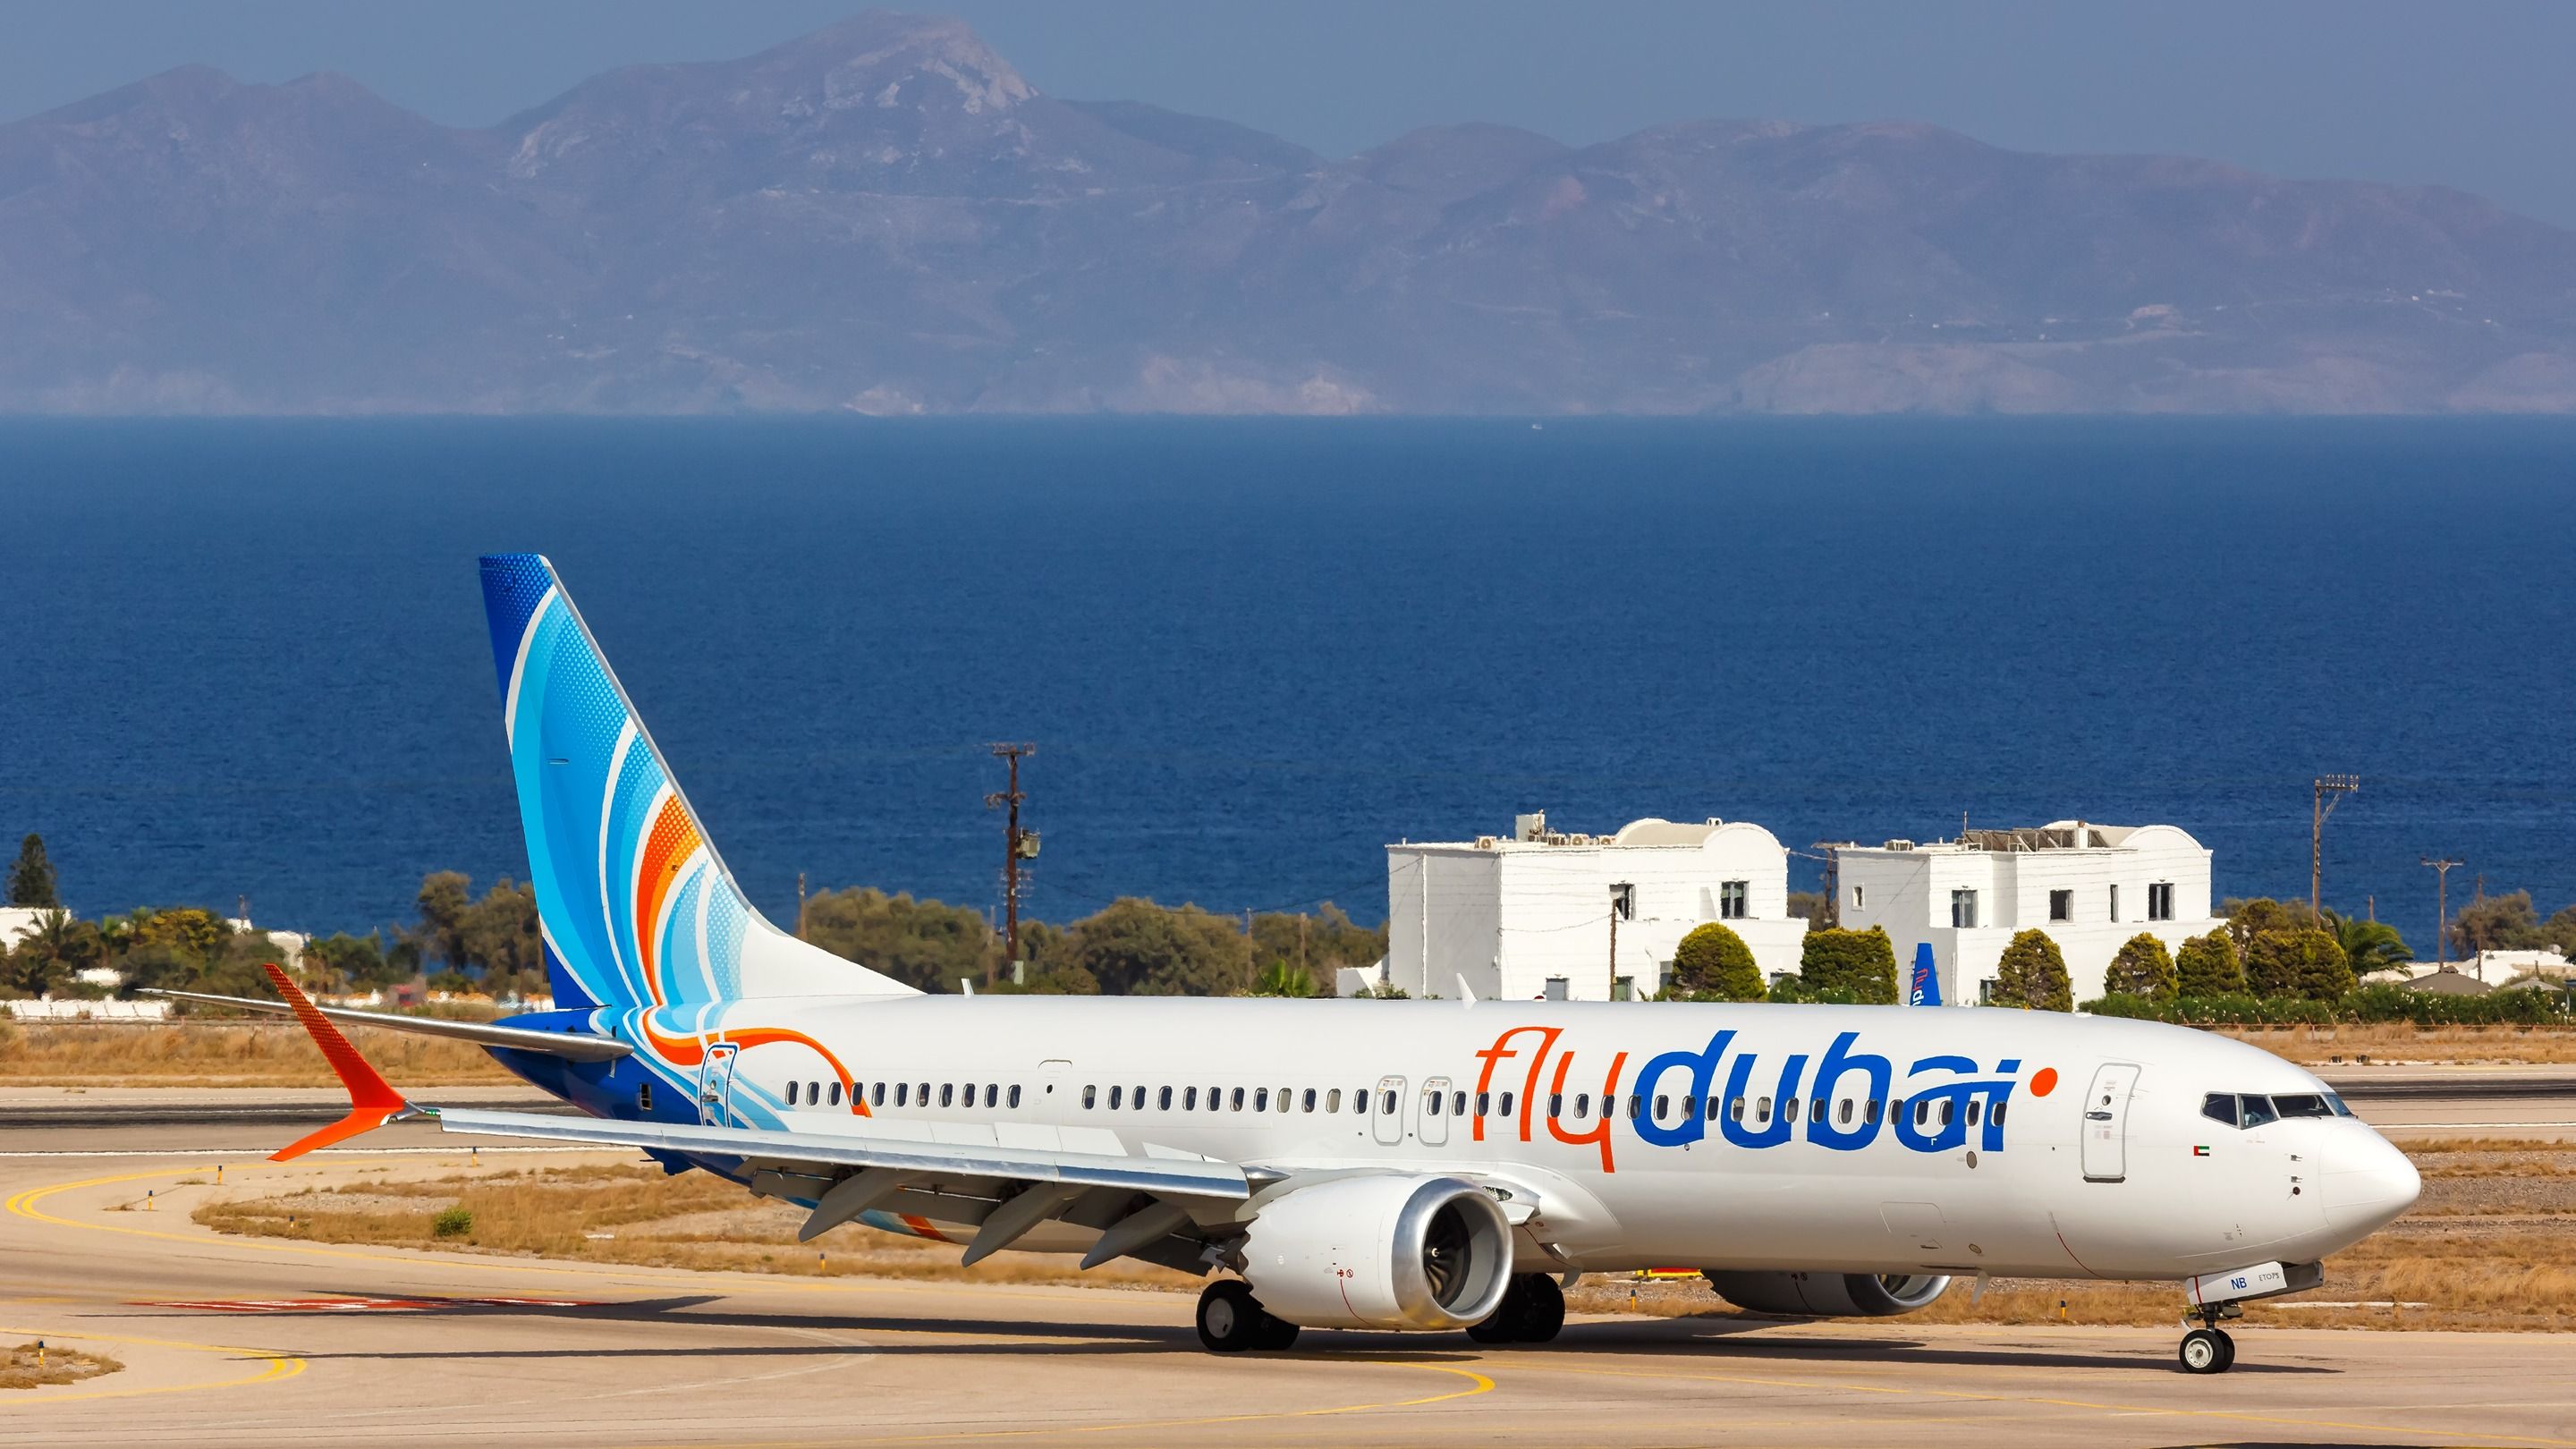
column 1828, row 1295
column 1380, row 1252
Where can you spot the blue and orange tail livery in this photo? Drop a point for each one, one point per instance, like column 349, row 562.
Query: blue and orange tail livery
column 635, row 907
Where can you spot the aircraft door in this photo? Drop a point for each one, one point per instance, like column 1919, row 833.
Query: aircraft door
column 715, row 1085
column 1386, row 1114
column 2106, row 1123
column 1434, row 1105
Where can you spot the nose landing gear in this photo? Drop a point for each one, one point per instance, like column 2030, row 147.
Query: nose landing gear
column 2208, row 1349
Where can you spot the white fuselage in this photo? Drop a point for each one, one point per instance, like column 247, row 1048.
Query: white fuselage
column 2104, row 1162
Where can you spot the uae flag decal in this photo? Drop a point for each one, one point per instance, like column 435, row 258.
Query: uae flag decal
column 2200, row 1152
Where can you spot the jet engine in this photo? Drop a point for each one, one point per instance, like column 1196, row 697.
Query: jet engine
column 1828, row 1295
column 1380, row 1252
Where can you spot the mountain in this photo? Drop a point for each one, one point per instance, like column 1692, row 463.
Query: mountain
column 885, row 216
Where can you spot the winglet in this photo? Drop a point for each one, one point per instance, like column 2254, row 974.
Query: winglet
column 372, row 1101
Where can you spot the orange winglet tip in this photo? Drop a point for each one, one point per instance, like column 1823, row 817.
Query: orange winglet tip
column 372, row 1100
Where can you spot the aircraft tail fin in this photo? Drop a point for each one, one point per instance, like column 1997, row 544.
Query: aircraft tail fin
column 635, row 906
column 1925, row 989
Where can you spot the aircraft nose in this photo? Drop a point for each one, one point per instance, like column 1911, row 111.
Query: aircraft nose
column 2366, row 1183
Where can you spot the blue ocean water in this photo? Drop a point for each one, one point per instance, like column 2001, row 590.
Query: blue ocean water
column 248, row 658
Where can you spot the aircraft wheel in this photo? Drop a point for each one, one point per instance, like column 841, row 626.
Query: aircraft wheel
column 1230, row 1319
column 2206, row 1351
column 1277, row 1334
column 1542, row 1309
column 2226, row 1349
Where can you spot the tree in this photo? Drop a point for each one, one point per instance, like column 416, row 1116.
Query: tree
column 1284, row 978
column 1813, row 907
column 350, row 963
column 1134, row 947
column 2142, row 967
column 2561, row 930
column 2497, row 923
column 922, row 943
column 2208, row 967
column 1862, row 963
column 2247, row 919
column 2368, row 945
column 1712, row 963
column 444, row 900
column 1323, row 943
column 2297, row 963
column 46, row 957
column 499, row 936
column 189, row 930
column 2032, row 974
column 31, row 878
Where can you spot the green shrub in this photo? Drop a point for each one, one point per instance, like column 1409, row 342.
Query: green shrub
column 2032, row 974
column 453, row 1222
column 2307, row 963
column 1712, row 963
column 2208, row 967
column 1860, row 963
column 2142, row 968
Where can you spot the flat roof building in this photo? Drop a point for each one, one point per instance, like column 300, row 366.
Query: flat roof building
column 1529, row 915
column 2090, row 887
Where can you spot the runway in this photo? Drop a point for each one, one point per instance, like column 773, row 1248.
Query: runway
column 252, row 1341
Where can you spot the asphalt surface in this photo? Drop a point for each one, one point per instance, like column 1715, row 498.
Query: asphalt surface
column 251, row 1341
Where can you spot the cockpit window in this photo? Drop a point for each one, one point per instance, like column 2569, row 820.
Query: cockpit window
column 2301, row 1104
column 2336, row 1102
column 2258, row 1110
column 2219, row 1107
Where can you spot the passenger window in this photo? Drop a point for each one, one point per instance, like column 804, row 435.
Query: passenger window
column 1139, row 1099
column 1457, row 1104
column 1946, row 1105
column 791, row 1094
column 1282, row 1098
column 1089, row 1095
column 1636, row 1105
column 1997, row 1116
column 1846, row 1114
column 1189, row 1099
column 1360, row 1102
column 2301, row 1104
column 876, row 1094
column 903, row 1094
column 1308, row 1102
column 832, row 1094
column 1735, row 1110
column 1788, row 1109
column 1690, row 1104
column 1431, row 1104
column 1015, row 1096
column 1238, row 1099
column 1261, row 1099
column 1386, row 1102
column 1507, row 1104
column 1116, row 1096
column 2258, row 1110
column 1556, row 1104
column 1333, row 1100
column 1582, row 1105
column 1972, row 1113
column 1762, row 1110
column 1484, row 1104
column 1663, row 1108
column 1922, row 1110
column 922, row 1094
column 992, row 1094
column 1869, row 1112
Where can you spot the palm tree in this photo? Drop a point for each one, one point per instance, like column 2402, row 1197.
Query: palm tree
column 1281, row 979
column 2368, row 945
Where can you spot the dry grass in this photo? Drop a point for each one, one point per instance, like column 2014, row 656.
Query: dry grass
column 2398, row 1043
column 222, row 1054
column 19, row 1368
column 2484, row 1250
column 636, row 1216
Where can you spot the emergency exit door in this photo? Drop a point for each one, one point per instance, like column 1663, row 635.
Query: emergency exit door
column 715, row 1085
column 2106, row 1123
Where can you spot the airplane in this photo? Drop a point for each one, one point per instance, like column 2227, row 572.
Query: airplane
column 1427, row 1165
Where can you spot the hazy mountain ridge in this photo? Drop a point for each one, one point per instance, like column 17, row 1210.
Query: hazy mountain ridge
column 885, row 216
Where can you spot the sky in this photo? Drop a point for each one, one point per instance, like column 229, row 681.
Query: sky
column 2472, row 95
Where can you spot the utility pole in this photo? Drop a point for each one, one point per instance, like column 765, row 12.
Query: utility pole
column 2441, row 910
column 1017, row 845
column 800, row 905
column 1620, row 896
column 2330, row 790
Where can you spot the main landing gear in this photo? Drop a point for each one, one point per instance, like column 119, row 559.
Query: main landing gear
column 1231, row 1320
column 2208, row 1349
column 1533, row 1310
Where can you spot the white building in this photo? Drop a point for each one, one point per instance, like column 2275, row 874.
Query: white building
column 1530, row 915
column 2090, row 887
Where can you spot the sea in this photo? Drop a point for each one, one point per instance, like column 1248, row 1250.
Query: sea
column 246, row 660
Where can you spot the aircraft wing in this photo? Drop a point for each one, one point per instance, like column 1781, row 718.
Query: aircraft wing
column 481, row 1033
column 1173, row 1176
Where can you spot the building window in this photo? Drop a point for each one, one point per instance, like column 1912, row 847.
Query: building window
column 2061, row 905
column 1623, row 988
column 2160, row 901
column 2115, row 903
column 1733, row 899
column 1555, row 988
column 1963, row 910
column 1986, row 993
column 1860, row 897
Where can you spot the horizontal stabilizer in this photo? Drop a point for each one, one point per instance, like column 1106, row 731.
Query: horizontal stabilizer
column 482, row 1033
